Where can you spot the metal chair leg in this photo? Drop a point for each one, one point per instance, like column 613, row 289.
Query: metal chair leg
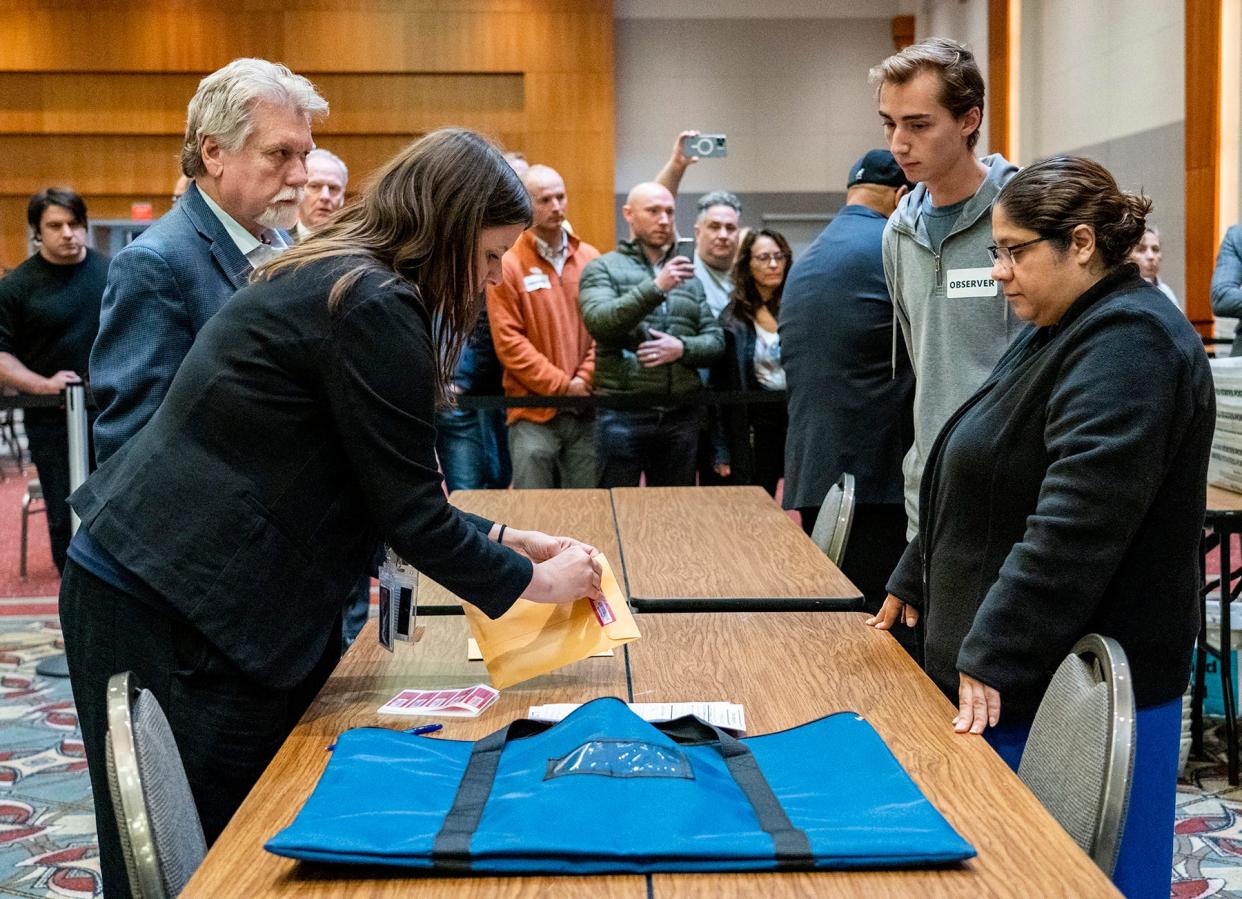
column 1226, row 662
column 21, row 568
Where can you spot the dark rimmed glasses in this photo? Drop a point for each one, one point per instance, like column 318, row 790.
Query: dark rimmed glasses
column 1008, row 255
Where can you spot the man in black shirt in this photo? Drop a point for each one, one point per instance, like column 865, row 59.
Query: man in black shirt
column 49, row 316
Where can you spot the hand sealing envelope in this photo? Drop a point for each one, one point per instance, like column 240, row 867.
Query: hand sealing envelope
column 533, row 638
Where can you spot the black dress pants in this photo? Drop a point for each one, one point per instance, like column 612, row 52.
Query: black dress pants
column 48, row 439
column 47, row 436
column 769, row 423
column 227, row 727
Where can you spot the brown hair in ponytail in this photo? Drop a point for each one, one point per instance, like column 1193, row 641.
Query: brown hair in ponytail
column 1054, row 196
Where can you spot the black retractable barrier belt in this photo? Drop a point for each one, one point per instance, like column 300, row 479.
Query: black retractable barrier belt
column 624, row 401
column 451, row 850
column 33, row 401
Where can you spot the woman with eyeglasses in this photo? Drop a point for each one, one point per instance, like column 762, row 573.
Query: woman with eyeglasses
column 1066, row 496
column 750, row 439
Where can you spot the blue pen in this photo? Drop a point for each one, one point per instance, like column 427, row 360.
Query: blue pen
column 423, row 729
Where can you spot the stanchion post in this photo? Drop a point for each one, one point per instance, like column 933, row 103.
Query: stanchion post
column 79, row 467
column 79, row 443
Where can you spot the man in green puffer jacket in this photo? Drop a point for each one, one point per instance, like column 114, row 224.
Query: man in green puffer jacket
column 653, row 330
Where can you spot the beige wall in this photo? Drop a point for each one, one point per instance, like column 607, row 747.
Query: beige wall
column 1096, row 71
column 962, row 20
column 791, row 94
column 1106, row 79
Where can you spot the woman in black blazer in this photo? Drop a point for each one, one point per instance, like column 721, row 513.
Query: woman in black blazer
column 218, row 543
column 1066, row 496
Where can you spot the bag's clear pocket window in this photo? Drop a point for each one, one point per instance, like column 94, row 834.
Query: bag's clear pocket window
column 622, row 758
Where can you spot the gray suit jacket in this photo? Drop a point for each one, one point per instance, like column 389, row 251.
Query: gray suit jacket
column 162, row 289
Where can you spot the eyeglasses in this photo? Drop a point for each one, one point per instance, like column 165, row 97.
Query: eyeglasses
column 1008, row 255
column 768, row 258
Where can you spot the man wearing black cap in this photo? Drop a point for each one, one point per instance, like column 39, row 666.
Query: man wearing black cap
column 849, row 384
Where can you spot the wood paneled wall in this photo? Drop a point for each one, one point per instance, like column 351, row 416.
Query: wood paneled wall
column 999, row 75
column 93, row 94
column 1203, row 35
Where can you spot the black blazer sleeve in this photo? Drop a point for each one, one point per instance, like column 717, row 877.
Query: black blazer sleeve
column 379, row 368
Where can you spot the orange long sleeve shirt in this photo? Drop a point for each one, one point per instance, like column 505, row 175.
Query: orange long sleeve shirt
column 536, row 326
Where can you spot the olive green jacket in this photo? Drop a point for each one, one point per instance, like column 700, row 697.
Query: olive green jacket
column 620, row 305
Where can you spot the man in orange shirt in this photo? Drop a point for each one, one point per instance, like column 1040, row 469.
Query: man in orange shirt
column 543, row 345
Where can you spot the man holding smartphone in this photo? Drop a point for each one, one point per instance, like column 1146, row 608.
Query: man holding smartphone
column 717, row 230
column 653, row 330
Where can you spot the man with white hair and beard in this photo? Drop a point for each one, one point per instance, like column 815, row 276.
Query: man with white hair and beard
column 248, row 132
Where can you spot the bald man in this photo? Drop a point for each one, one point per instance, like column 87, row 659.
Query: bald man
column 543, row 345
column 653, row 330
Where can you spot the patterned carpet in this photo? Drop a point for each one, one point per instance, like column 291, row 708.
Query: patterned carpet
column 47, row 829
column 1207, row 855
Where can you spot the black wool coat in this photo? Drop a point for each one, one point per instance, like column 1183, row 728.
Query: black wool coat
column 293, row 439
column 1066, row 497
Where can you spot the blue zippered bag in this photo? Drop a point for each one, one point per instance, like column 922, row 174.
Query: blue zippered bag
column 604, row 792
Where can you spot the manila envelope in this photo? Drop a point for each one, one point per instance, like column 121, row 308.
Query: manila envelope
column 533, row 638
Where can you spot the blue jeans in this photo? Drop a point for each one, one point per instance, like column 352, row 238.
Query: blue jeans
column 473, row 449
column 662, row 444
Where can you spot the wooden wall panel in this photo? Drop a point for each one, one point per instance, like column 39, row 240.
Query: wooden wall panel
column 1203, row 22
column 364, row 36
column 998, row 78
column 44, row 35
column 154, row 103
column 100, row 106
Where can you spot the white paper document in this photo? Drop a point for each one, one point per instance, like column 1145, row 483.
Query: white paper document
column 725, row 715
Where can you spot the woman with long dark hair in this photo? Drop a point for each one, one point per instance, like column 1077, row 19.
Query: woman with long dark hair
column 217, row 543
column 750, row 438
column 1066, row 496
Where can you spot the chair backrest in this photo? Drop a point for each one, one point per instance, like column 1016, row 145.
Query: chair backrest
column 161, row 835
column 836, row 516
column 1079, row 758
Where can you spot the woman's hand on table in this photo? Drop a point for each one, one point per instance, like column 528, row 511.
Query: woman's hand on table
column 893, row 611
column 978, row 706
column 571, row 574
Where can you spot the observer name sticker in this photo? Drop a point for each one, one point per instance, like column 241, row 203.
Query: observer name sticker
column 970, row 282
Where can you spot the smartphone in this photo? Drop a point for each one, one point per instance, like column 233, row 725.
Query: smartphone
column 685, row 247
column 705, row 146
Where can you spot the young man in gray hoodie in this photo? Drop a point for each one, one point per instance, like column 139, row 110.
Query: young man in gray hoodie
column 953, row 316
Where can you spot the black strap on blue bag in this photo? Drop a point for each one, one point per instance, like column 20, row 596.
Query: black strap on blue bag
column 791, row 847
column 451, row 850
